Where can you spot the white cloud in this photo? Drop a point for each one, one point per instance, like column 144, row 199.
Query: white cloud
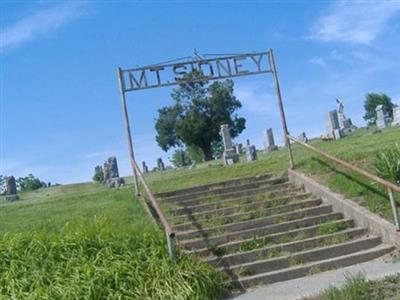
column 358, row 22
column 39, row 23
column 319, row 61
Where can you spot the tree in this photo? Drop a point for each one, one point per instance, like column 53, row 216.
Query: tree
column 185, row 157
column 28, row 183
column 198, row 111
column 180, row 158
column 98, row 174
column 372, row 100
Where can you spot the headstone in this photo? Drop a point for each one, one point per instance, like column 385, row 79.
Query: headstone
column 144, row 167
column 160, row 164
column 303, row 138
column 110, row 168
column 345, row 124
column 396, row 116
column 11, row 189
column 115, row 182
column 251, row 153
column 239, row 149
column 269, row 142
column 111, row 174
column 229, row 156
column 192, row 166
column 382, row 118
column 332, row 124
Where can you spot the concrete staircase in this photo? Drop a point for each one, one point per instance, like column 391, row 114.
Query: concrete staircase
column 263, row 229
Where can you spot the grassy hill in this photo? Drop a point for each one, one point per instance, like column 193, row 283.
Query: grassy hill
column 87, row 241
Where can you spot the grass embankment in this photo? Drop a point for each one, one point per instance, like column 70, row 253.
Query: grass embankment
column 88, row 242
column 360, row 148
column 358, row 288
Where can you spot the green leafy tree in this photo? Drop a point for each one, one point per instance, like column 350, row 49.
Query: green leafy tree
column 185, row 157
column 28, row 183
column 372, row 100
column 98, row 174
column 180, row 158
column 198, row 111
column 195, row 154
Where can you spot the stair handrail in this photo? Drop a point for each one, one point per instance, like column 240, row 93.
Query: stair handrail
column 391, row 187
column 169, row 232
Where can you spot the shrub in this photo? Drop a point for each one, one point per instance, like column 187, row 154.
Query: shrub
column 98, row 174
column 29, row 183
column 387, row 164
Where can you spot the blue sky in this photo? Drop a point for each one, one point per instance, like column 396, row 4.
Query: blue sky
column 60, row 113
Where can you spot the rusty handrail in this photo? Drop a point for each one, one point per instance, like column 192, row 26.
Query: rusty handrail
column 391, row 187
column 170, row 233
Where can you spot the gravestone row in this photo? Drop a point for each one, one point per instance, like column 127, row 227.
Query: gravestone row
column 383, row 119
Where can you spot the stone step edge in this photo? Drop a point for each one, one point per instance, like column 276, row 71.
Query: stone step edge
column 330, row 251
column 227, row 201
column 352, row 232
column 325, row 208
column 228, row 194
column 206, row 186
column 323, row 265
column 348, row 222
column 282, row 227
column 279, row 208
column 266, row 182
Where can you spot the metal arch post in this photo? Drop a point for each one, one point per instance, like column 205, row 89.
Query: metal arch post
column 280, row 105
column 127, row 130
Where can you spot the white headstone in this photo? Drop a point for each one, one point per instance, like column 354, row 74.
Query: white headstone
column 382, row 119
column 396, row 116
column 229, row 156
column 269, row 142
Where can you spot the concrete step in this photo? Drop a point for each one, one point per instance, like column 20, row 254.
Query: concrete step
column 304, row 257
column 246, row 212
column 282, row 195
column 291, row 247
column 209, row 242
column 272, row 206
column 213, row 186
column 259, row 222
column 260, row 240
column 224, row 190
column 313, row 267
column 263, row 190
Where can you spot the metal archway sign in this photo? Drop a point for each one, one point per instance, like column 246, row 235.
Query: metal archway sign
column 216, row 68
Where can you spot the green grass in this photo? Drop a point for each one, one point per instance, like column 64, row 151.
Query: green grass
column 88, row 242
column 358, row 288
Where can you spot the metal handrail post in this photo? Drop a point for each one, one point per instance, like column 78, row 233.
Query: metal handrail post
column 394, row 209
column 171, row 246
